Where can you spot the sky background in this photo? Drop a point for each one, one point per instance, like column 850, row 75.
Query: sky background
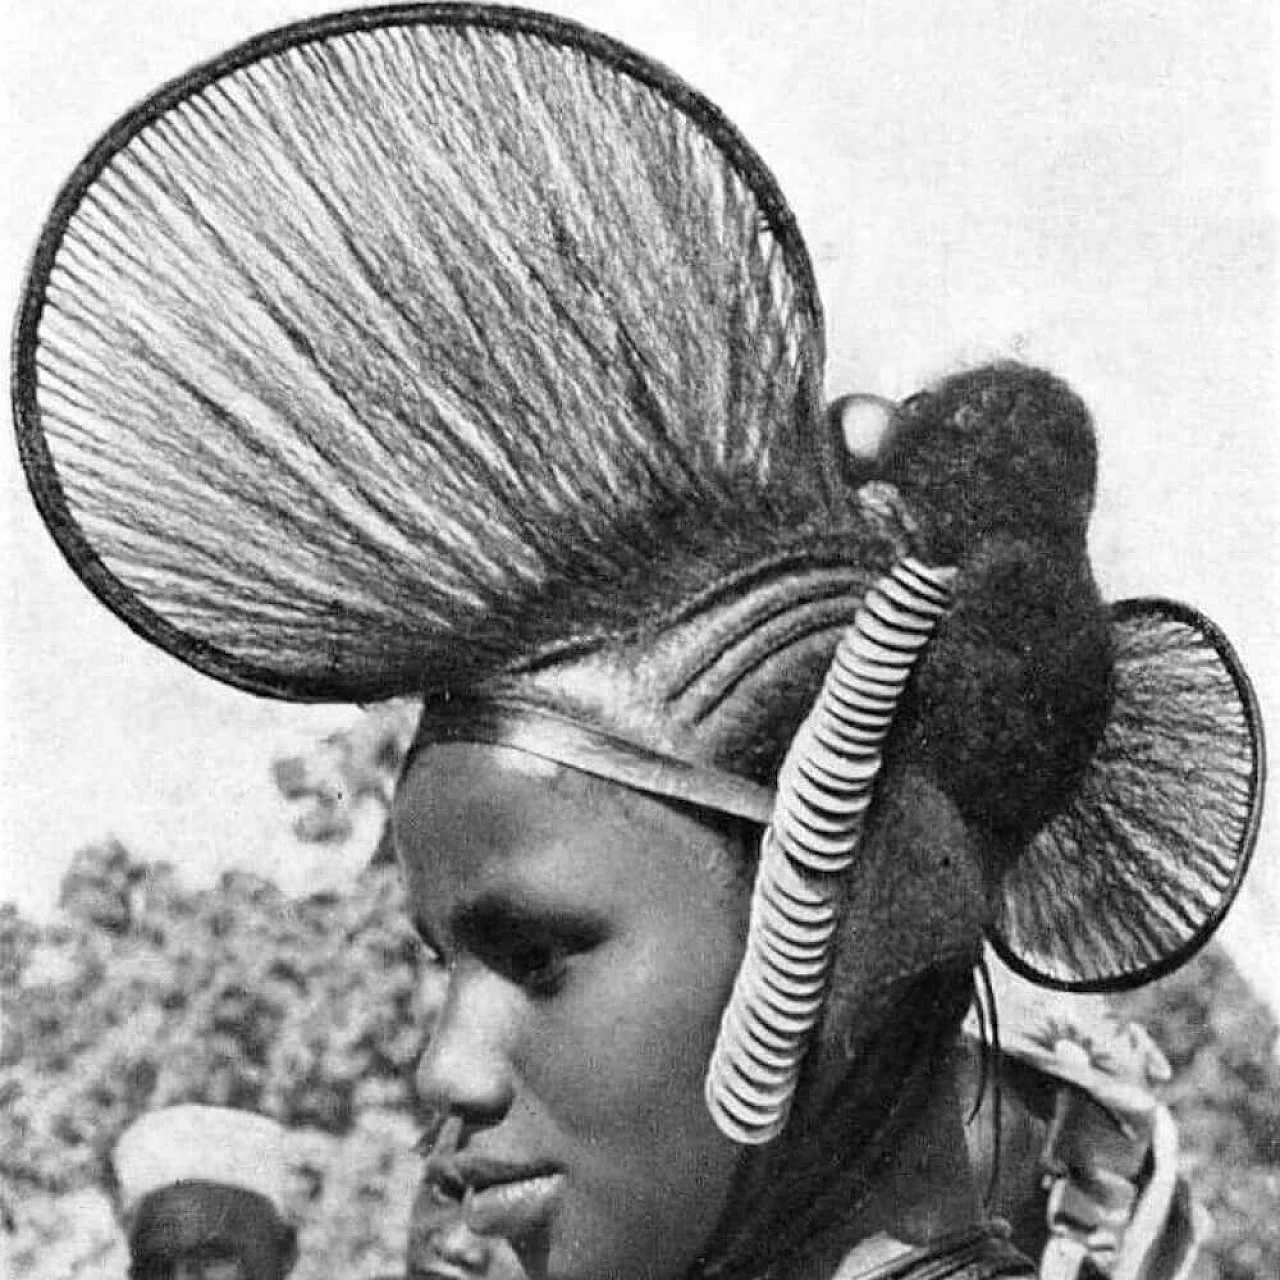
column 1086, row 184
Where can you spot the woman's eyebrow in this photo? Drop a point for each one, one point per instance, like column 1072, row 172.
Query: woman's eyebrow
column 496, row 915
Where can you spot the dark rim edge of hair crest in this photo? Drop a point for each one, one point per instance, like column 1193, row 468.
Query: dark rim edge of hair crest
column 37, row 461
column 1159, row 606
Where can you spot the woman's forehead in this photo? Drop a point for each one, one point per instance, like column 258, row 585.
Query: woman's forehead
column 481, row 815
column 476, row 784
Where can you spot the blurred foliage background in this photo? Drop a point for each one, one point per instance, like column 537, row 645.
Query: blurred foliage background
column 144, row 992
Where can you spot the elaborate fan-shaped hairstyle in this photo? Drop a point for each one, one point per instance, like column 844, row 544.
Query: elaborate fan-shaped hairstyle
column 462, row 352
column 445, row 300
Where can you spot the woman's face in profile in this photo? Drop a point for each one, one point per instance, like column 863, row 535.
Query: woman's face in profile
column 591, row 936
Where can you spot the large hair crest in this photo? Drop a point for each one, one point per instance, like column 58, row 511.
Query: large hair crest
column 465, row 299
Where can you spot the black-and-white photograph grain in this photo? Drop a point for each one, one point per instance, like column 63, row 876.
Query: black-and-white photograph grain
column 636, row 639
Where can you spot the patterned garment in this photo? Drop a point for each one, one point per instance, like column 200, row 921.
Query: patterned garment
column 1088, row 1151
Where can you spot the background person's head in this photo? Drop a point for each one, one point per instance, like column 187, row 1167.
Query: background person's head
column 201, row 1196
column 209, row 1231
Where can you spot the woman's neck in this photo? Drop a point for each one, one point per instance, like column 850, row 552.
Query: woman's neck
column 928, row 1190
column 923, row 1192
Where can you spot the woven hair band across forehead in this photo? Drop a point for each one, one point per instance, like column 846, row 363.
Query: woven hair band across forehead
column 562, row 739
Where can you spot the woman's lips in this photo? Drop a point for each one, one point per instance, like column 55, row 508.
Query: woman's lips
column 491, row 1196
column 515, row 1208
column 454, row 1172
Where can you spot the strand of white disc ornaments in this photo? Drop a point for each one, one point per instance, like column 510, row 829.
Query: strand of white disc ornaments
column 824, row 789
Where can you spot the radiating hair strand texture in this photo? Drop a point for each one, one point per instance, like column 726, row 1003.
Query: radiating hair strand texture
column 1133, row 875
column 357, row 355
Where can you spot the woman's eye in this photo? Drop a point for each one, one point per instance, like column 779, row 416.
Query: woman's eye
column 539, row 968
column 533, row 951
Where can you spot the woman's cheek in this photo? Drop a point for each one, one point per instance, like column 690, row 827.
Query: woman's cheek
column 634, row 1033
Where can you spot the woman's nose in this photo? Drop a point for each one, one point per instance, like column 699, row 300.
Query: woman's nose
column 466, row 1068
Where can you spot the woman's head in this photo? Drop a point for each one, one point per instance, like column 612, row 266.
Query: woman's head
column 592, row 934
